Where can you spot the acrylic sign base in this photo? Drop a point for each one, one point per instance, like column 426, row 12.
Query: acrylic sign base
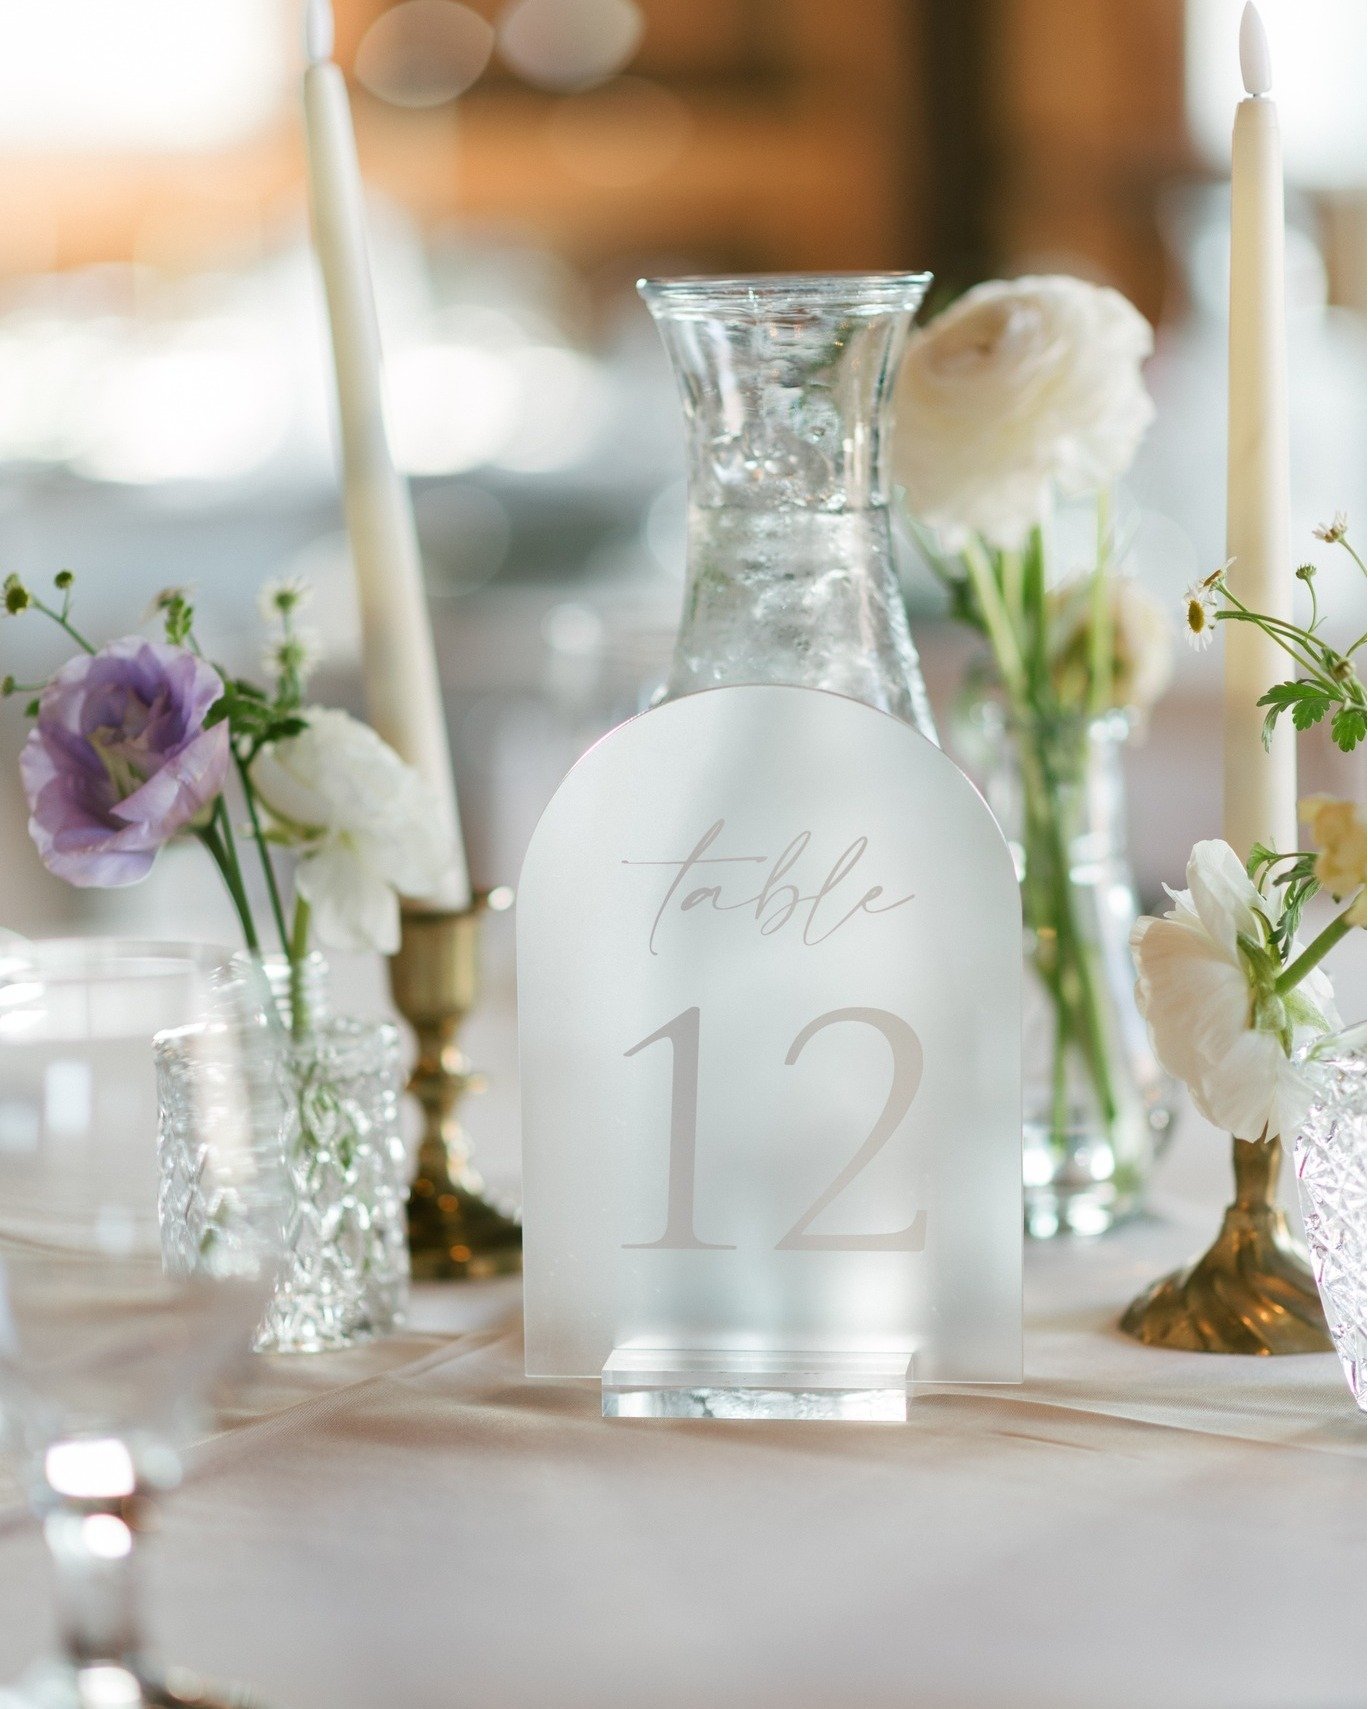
column 640, row 1382
column 769, row 977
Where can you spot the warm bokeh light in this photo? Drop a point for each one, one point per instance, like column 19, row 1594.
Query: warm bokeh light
column 627, row 132
column 78, row 75
column 423, row 52
column 569, row 44
column 204, row 406
column 450, row 407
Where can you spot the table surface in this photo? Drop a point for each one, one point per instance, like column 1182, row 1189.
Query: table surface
column 415, row 1524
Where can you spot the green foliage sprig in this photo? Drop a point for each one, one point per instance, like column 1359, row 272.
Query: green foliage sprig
column 1327, row 683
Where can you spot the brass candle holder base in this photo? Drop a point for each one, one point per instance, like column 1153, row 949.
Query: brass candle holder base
column 454, row 1232
column 1252, row 1292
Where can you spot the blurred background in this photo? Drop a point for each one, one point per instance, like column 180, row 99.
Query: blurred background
column 165, row 392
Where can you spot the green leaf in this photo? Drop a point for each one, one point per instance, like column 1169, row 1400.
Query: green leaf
column 1293, row 693
column 1308, row 703
column 1288, row 693
column 1302, row 1012
column 1309, row 711
column 1260, row 855
column 1348, row 727
column 1303, row 867
column 1298, row 895
column 1270, row 724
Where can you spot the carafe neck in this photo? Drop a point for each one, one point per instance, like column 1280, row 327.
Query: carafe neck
column 785, row 384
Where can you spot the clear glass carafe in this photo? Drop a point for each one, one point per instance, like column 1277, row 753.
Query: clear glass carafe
column 785, row 382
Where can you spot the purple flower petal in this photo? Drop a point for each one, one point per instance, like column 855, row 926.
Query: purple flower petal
column 119, row 760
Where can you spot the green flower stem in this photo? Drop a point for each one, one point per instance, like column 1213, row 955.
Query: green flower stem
column 1263, row 618
column 62, row 621
column 298, row 952
column 1353, row 554
column 1059, row 1079
column 1314, row 953
column 1068, row 973
column 229, row 845
column 995, row 619
column 1101, row 643
column 259, row 837
column 1289, row 637
column 232, row 878
column 1014, row 590
column 1035, row 625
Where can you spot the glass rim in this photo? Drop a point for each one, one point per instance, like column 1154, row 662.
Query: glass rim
column 871, row 293
column 95, row 957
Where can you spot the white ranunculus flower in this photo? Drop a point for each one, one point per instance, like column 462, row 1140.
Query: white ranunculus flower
column 1141, row 643
column 366, row 824
column 1210, row 1024
column 1020, row 390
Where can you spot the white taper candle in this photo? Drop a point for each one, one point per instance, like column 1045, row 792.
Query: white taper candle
column 399, row 663
column 1260, row 788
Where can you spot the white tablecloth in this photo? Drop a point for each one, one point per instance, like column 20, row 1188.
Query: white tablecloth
column 414, row 1524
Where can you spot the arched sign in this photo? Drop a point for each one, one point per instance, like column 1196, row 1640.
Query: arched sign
column 769, row 965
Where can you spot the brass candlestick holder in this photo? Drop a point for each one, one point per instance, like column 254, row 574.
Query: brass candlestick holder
column 455, row 1233
column 1252, row 1292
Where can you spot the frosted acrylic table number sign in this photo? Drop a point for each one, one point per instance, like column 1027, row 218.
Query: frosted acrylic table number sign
column 768, row 981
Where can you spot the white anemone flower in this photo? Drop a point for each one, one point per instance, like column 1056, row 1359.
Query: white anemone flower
column 366, row 825
column 1205, row 990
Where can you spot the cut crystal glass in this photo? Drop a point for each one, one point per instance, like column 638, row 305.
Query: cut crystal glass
column 346, row 1275
column 1331, row 1157
column 114, row 1339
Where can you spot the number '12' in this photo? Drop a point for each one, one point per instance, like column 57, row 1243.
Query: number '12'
column 682, row 1034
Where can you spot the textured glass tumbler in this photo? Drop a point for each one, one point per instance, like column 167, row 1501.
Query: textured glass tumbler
column 1098, row 1108
column 1331, row 1157
column 785, row 383
column 346, row 1273
column 110, row 1345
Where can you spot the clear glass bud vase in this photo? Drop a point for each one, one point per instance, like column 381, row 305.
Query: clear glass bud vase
column 1098, row 1108
column 785, row 382
column 346, row 1273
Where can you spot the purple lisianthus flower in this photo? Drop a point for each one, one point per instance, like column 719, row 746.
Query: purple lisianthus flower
column 120, row 760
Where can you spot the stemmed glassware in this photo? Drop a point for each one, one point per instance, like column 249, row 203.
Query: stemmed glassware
column 116, row 1315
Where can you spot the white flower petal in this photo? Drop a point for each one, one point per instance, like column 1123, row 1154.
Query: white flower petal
column 1194, row 999
column 353, row 907
column 338, row 778
column 1224, row 896
column 1240, row 1093
column 1295, row 1095
column 1182, row 908
column 284, row 790
column 1019, row 390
